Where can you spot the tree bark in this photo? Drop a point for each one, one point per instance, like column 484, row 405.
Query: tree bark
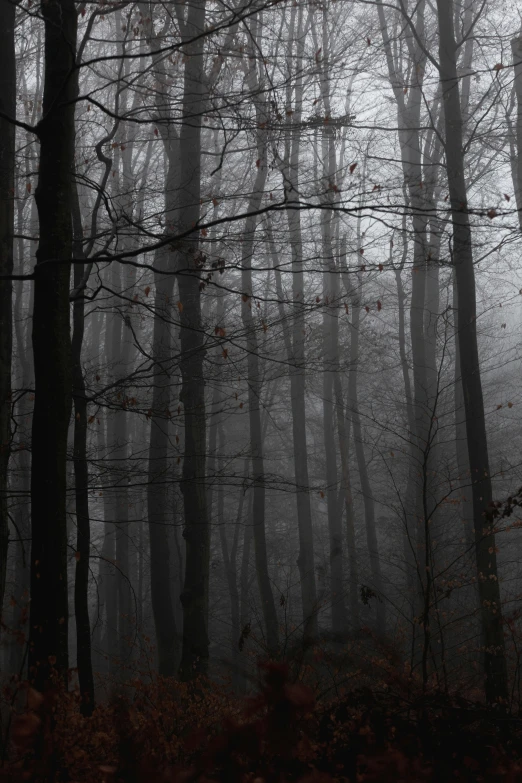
column 81, row 478
column 253, row 363
column 343, row 429
column 516, row 48
column 52, row 348
column 496, row 686
column 254, row 409
column 297, row 358
column 194, row 598
column 409, row 123
column 7, row 161
column 159, row 498
column 366, row 489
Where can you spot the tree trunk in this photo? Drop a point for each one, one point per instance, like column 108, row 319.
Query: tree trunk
column 244, row 585
column 366, row 490
column 230, row 559
column 194, row 598
column 7, row 162
column 409, row 124
column 254, row 414
column 159, row 499
column 52, row 348
column 81, row 478
column 516, row 47
column 297, row 358
column 253, row 364
column 410, row 532
column 496, row 686
column 343, row 429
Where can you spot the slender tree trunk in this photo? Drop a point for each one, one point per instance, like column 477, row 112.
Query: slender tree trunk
column 81, row 477
column 410, row 533
column 24, row 421
column 254, row 415
column 7, row 160
column 194, row 598
column 496, row 685
column 106, row 629
column 253, row 366
column 23, row 459
column 330, row 326
column 409, row 123
column 159, row 498
column 516, row 47
column 343, row 428
column 244, row 586
column 464, row 475
column 297, row 357
column 366, row 490
column 230, row 559
column 52, row 348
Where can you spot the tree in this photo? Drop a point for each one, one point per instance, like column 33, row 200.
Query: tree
column 52, row 347
column 516, row 48
column 81, row 477
column 194, row 598
column 7, row 185
column 496, row 685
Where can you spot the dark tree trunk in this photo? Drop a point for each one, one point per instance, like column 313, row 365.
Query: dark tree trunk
column 254, row 408
column 496, row 686
column 7, row 155
column 24, row 417
column 159, row 499
column 81, row 478
column 230, row 560
column 52, row 348
column 194, row 598
column 158, row 496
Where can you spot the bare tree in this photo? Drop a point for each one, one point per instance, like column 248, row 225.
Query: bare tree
column 52, row 347
column 7, row 184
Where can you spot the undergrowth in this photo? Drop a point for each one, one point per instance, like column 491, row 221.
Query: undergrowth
column 171, row 732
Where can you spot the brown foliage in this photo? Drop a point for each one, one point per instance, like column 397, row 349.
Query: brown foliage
column 171, row 732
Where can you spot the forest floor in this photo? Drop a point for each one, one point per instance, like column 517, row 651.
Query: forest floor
column 170, row 732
